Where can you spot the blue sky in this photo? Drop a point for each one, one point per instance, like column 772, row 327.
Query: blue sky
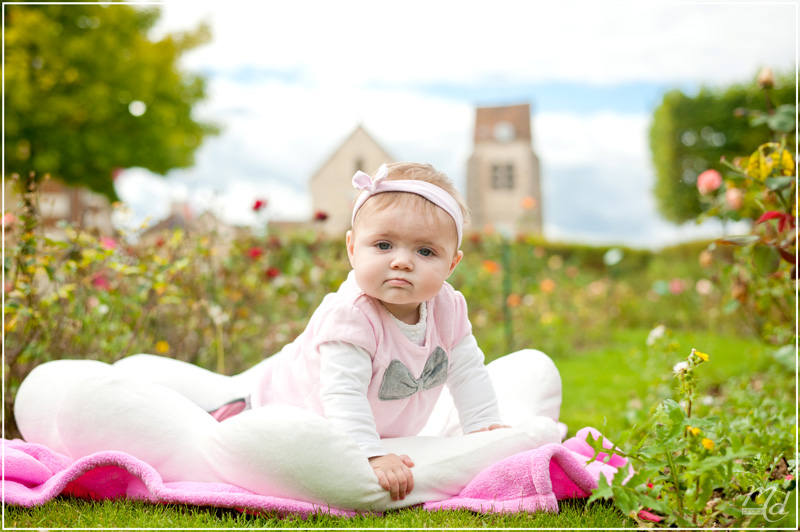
column 555, row 96
column 289, row 81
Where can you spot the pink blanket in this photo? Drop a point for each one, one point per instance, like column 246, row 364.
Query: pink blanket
column 529, row 481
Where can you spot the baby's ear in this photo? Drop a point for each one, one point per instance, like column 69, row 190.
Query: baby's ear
column 350, row 242
column 459, row 255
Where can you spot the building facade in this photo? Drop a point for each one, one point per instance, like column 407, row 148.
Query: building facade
column 503, row 180
column 332, row 193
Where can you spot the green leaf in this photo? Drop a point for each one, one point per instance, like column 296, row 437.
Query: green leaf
column 739, row 240
column 603, row 490
column 766, row 259
column 735, row 178
column 781, row 122
column 786, row 356
column 780, row 182
column 731, row 307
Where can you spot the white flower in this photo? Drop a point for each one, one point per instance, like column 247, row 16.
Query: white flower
column 703, row 287
column 217, row 315
column 655, row 334
column 680, row 367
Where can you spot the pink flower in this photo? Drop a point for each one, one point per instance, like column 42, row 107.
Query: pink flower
column 788, row 477
column 259, row 204
column 709, row 181
column 735, row 198
column 9, row 219
column 676, row 286
column 649, row 516
column 101, row 282
column 108, row 242
column 321, row 216
column 254, row 253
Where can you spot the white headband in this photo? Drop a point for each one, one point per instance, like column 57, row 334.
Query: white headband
column 436, row 195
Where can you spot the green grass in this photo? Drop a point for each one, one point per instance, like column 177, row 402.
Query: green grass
column 72, row 513
column 598, row 384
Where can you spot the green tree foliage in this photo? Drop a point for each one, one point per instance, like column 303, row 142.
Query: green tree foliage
column 87, row 92
column 690, row 134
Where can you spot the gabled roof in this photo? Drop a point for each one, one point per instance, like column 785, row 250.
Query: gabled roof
column 358, row 128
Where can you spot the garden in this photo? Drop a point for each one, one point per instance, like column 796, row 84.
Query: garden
column 684, row 357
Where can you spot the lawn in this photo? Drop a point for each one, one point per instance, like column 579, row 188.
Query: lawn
column 599, row 386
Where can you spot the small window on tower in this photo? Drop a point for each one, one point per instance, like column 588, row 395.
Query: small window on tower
column 503, row 176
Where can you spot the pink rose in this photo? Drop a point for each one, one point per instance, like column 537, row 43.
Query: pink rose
column 108, row 243
column 676, row 286
column 709, row 181
column 9, row 219
column 735, row 198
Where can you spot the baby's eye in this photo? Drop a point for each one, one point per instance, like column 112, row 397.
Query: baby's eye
column 383, row 246
column 426, row 252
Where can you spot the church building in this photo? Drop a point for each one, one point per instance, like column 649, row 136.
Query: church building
column 503, row 188
column 503, row 183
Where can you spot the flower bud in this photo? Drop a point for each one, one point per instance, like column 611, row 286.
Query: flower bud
column 735, row 198
column 766, row 80
column 706, row 258
column 709, row 181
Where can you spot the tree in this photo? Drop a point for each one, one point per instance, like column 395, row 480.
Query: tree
column 690, row 134
column 87, row 93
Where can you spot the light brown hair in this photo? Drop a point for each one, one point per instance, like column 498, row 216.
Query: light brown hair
column 410, row 201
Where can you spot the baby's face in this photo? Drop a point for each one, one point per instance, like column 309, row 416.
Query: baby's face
column 402, row 258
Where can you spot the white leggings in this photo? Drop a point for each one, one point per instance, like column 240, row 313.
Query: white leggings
column 155, row 409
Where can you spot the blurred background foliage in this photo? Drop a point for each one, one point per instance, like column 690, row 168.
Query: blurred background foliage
column 226, row 304
column 114, row 98
column 690, row 134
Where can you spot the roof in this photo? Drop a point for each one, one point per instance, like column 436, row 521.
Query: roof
column 486, row 118
column 358, row 128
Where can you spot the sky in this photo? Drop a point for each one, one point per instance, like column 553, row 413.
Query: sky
column 289, row 81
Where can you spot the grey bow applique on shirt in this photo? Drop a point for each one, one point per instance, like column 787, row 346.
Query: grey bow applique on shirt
column 399, row 383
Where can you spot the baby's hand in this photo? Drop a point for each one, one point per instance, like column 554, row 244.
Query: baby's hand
column 492, row 427
column 394, row 474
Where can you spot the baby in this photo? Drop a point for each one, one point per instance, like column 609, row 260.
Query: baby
column 376, row 354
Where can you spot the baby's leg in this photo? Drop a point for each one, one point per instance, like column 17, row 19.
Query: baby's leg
column 80, row 407
column 204, row 388
column 527, row 385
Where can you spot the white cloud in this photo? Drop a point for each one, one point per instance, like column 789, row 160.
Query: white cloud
column 349, row 42
column 292, row 79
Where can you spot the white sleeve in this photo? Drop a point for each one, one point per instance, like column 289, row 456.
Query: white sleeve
column 471, row 387
column 345, row 374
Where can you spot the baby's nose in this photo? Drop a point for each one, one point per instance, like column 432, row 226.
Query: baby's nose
column 402, row 260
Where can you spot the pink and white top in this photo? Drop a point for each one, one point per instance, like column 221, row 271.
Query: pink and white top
column 354, row 365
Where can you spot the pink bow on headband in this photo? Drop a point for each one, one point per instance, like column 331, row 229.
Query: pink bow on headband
column 436, row 195
column 363, row 181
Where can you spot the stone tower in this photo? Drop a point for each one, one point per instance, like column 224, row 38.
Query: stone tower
column 503, row 188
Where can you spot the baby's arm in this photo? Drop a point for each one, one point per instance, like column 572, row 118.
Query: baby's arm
column 345, row 375
column 471, row 387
